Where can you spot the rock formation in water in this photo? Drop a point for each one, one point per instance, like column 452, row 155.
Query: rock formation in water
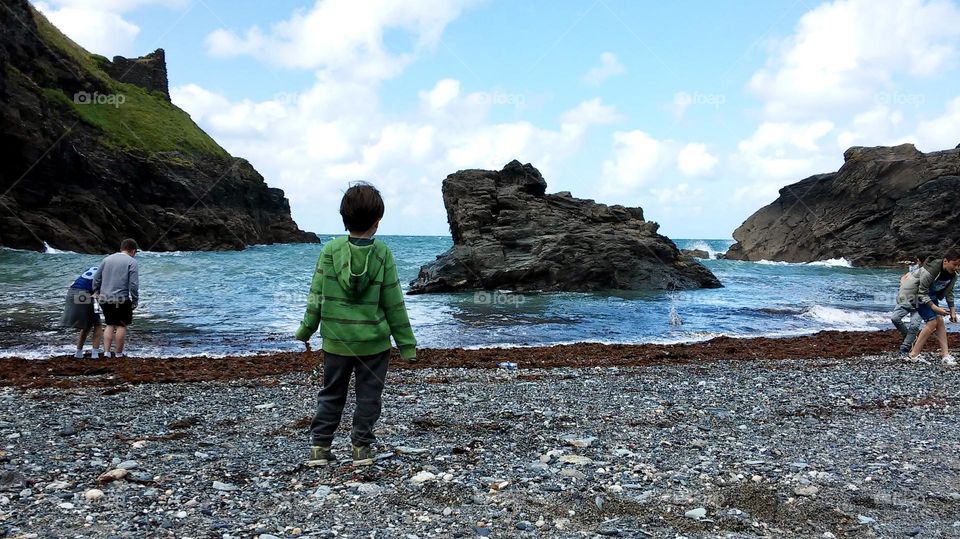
column 92, row 151
column 509, row 234
column 884, row 205
column 695, row 253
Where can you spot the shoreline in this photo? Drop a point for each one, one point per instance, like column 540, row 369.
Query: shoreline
column 67, row 372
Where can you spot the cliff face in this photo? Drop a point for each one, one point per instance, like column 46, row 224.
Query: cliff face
column 884, row 205
column 92, row 151
column 509, row 234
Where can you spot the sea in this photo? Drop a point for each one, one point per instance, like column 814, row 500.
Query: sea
column 251, row 301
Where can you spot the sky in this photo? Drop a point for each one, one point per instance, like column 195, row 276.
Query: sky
column 699, row 112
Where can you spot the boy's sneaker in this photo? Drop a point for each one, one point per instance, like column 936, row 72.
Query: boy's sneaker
column 321, row 456
column 363, row 455
column 119, row 355
column 95, row 354
column 904, row 349
column 78, row 354
column 949, row 360
column 917, row 359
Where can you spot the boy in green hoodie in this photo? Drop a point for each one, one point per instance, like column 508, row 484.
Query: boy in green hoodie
column 356, row 300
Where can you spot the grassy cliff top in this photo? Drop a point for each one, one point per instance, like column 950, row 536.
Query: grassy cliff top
column 129, row 116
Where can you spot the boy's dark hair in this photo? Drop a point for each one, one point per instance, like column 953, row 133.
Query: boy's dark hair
column 129, row 244
column 361, row 207
column 952, row 254
column 922, row 258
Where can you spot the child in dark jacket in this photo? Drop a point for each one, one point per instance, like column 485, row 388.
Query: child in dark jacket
column 356, row 300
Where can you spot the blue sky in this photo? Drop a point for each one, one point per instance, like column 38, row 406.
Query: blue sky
column 697, row 111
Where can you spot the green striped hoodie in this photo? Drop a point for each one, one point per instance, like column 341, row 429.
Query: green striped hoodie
column 356, row 300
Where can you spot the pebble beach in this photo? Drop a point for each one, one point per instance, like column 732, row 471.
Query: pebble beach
column 858, row 446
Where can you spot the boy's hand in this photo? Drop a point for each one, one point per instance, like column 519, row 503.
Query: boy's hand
column 309, row 350
column 953, row 315
column 941, row 311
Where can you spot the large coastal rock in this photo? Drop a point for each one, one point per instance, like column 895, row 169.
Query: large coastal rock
column 509, row 234
column 884, row 205
column 92, row 151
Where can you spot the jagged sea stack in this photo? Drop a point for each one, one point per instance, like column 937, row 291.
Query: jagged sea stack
column 509, row 234
column 92, row 151
column 884, row 205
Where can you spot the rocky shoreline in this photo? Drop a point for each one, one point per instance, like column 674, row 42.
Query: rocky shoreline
column 703, row 440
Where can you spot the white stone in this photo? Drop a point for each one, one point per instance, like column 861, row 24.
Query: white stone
column 696, row 514
column 576, row 441
column 407, row 450
column 57, row 485
column 809, row 490
column 576, row 460
column 370, row 489
column 112, row 475
column 422, row 477
column 225, row 487
column 93, row 495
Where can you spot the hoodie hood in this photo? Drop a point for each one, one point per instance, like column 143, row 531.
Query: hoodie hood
column 357, row 266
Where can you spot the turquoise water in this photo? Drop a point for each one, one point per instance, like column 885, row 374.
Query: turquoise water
column 251, row 301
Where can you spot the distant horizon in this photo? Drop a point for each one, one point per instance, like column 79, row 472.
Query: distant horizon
column 699, row 116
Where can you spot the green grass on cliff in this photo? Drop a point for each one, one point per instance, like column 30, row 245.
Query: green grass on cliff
column 131, row 117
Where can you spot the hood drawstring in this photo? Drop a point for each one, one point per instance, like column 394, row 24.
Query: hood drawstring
column 355, row 277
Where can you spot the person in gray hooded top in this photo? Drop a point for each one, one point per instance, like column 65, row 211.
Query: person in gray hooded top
column 116, row 286
column 937, row 281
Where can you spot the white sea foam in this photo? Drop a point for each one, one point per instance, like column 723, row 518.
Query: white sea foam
column 833, row 263
column 830, row 263
column 843, row 319
column 52, row 251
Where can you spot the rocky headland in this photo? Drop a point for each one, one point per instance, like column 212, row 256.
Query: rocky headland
column 508, row 233
column 884, row 205
column 93, row 151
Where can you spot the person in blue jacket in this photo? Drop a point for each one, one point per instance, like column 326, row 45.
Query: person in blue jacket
column 80, row 312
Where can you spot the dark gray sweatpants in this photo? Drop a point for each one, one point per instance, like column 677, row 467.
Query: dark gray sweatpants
column 371, row 372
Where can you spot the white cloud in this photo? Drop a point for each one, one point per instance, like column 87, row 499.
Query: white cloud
column 778, row 153
column 637, row 158
column 443, row 93
column 844, row 53
column 609, row 66
column 641, row 161
column 343, row 36
column 877, row 126
column 311, row 145
column 99, row 25
column 695, row 160
column 942, row 132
